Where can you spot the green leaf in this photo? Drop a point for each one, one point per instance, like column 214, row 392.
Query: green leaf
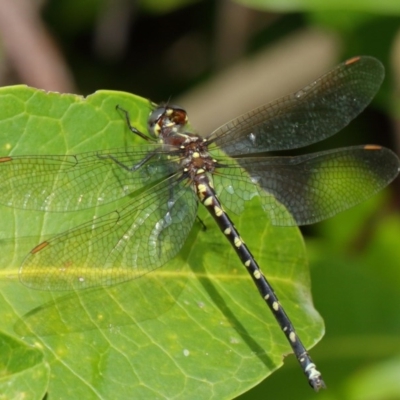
column 196, row 328
column 380, row 381
column 23, row 372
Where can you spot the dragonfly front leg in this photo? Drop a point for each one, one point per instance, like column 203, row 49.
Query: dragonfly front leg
column 131, row 127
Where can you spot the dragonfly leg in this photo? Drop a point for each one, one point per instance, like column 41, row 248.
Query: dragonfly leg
column 131, row 127
column 203, row 225
column 132, row 168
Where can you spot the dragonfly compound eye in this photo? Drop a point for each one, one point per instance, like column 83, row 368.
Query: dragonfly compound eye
column 167, row 120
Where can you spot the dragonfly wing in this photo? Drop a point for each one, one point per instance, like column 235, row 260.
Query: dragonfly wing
column 234, row 188
column 76, row 182
column 116, row 247
column 310, row 115
column 309, row 188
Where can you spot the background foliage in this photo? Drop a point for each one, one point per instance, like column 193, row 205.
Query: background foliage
column 218, row 59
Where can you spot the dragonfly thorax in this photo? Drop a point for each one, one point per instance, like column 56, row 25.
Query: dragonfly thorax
column 169, row 124
column 196, row 158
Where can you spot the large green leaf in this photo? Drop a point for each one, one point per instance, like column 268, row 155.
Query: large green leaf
column 23, row 372
column 196, row 328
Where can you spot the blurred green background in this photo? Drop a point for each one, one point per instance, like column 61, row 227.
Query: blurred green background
column 219, row 59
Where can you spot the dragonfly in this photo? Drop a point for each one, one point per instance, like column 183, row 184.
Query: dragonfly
column 175, row 169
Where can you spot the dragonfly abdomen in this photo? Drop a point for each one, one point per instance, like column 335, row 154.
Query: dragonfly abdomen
column 209, row 199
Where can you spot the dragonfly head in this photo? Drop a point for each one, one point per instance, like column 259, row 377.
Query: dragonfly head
column 165, row 121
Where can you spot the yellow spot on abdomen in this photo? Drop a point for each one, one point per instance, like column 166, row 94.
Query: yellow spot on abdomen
column 218, row 211
column 237, row 242
column 201, row 187
column 208, row 201
column 257, row 274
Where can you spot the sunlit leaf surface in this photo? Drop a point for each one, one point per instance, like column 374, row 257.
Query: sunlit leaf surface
column 195, row 328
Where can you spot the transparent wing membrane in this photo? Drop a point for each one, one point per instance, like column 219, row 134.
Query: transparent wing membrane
column 309, row 188
column 160, row 201
column 76, row 182
column 307, row 116
column 118, row 246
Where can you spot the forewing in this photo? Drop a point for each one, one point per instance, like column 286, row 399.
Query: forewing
column 76, row 182
column 116, row 247
column 312, row 114
column 309, row 188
